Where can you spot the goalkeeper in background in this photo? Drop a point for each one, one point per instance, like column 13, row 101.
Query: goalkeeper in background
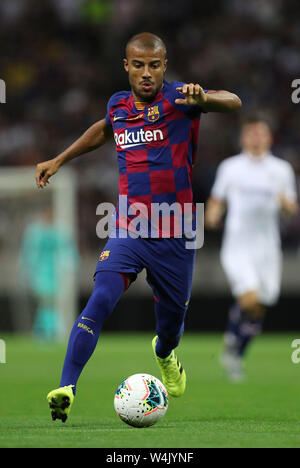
column 47, row 254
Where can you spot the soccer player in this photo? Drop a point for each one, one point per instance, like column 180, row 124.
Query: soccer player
column 255, row 187
column 45, row 250
column 155, row 126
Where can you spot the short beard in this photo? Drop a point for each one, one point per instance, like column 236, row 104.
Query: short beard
column 147, row 98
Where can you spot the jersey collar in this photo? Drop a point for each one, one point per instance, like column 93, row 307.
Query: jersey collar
column 254, row 158
column 156, row 99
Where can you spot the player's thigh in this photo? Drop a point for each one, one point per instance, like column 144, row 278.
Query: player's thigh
column 239, row 270
column 121, row 255
column 170, row 274
column 270, row 270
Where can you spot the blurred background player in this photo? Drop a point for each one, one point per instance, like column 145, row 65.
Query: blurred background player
column 254, row 186
column 47, row 254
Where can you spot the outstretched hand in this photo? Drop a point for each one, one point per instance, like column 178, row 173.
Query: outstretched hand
column 193, row 95
column 44, row 171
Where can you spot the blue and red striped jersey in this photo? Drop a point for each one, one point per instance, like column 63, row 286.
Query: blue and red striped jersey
column 156, row 147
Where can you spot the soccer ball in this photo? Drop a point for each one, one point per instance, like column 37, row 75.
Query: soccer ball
column 141, row 400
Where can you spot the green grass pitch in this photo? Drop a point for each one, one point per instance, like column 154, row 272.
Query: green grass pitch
column 263, row 411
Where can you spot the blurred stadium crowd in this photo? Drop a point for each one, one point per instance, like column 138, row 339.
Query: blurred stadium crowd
column 62, row 59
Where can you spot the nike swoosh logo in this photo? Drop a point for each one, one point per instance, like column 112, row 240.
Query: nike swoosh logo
column 140, row 116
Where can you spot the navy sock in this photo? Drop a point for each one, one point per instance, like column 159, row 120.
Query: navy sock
column 108, row 288
column 163, row 349
column 169, row 328
column 242, row 328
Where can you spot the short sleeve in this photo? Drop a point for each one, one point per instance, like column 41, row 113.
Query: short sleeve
column 220, row 187
column 114, row 102
column 190, row 111
column 288, row 183
column 107, row 117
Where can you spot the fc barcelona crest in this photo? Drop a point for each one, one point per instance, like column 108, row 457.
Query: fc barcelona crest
column 153, row 114
column 104, row 255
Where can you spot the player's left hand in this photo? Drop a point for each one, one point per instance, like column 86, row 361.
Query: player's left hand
column 289, row 207
column 193, row 95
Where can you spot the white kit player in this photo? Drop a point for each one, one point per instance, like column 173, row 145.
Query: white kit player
column 254, row 187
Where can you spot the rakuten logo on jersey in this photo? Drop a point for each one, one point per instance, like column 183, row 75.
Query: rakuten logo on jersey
column 129, row 139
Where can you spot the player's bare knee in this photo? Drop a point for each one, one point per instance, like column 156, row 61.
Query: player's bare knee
column 249, row 302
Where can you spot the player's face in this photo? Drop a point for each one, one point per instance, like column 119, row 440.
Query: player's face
column 256, row 138
column 146, row 70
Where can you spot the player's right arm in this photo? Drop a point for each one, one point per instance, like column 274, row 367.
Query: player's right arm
column 97, row 135
column 289, row 207
column 217, row 202
column 288, row 193
column 214, row 212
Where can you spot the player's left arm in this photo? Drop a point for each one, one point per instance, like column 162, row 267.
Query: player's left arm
column 214, row 212
column 210, row 101
column 288, row 193
column 289, row 207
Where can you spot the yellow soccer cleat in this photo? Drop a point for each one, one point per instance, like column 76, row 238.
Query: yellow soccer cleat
column 173, row 374
column 60, row 401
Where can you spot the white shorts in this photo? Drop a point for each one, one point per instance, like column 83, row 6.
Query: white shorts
column 253, row 270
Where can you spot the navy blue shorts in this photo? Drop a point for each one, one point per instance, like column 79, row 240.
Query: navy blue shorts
column 169, row 266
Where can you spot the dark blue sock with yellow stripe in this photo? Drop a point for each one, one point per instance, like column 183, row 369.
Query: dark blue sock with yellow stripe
column 108, row 289
column 243, row 328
